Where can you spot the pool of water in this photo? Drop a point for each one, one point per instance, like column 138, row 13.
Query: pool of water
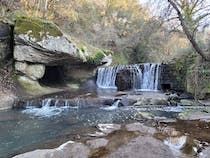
column 33, row 128
column 23, row 130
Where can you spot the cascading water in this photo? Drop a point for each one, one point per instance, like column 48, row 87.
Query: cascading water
column 145, row 77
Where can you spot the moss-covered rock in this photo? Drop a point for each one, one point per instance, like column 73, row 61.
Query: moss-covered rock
column 36, row 28
column 42, row 41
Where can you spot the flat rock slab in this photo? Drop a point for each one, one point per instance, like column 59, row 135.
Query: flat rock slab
column 66, row 150
column 191, row 116
column 149, row 98
column 140, row 127
column 108, row 128
column 97, row 143
column 144, row 147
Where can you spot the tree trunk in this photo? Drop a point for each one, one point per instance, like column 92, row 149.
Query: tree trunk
column 188, row 34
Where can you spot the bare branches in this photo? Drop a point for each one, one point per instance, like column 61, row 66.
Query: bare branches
column 190, row 22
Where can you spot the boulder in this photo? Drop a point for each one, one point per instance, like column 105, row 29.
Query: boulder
column 66, row 150
column 40, row 41
column 5, row 41
column 144, row 147
column 33, row 71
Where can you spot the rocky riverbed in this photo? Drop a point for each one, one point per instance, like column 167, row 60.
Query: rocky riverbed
column 131, row 140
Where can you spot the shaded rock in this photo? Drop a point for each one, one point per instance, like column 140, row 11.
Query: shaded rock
column 108, row 128
column 33, row 71
column 141, row 128
column 5, row 41
column 66, row 150
column 123, row 80
column 97, row 143
column 143, row 147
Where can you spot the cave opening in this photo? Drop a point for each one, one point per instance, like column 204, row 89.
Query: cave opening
column 166, row 87
column 54, row 75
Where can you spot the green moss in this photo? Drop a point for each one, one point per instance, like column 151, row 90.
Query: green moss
column 108, row 52
column 35, row 27
column 186, row 112
column 97, row 58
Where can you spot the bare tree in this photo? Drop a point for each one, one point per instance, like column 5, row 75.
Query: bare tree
column 192, row 15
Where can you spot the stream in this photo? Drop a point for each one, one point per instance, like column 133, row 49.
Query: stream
column 33, row 128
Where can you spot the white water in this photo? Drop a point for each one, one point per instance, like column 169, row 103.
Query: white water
column 113, row 107
column 144, row 78
column 46, row 110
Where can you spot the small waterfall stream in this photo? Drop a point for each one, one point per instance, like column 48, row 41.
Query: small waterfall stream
column 145, row 77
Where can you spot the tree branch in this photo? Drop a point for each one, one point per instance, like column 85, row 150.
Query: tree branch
column 188, row 33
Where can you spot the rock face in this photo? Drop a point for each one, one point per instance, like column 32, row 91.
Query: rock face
column 123, row 80
column 41, row 46
column 39, row 41
column 5, row 41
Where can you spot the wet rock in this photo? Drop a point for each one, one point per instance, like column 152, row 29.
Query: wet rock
column 97, row 143
column 145, row 115
column 123, row 80
column 127, row 102
column 108, row 128
column 184, row 143
column 97, row 134
column 140, row 127
column 66, row 150
column 33, row 71
column 143, row 147
column 173, row 99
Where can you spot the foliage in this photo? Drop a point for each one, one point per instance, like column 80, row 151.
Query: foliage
column 96, row 59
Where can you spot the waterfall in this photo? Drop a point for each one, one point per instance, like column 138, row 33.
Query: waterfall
column 145, row 77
